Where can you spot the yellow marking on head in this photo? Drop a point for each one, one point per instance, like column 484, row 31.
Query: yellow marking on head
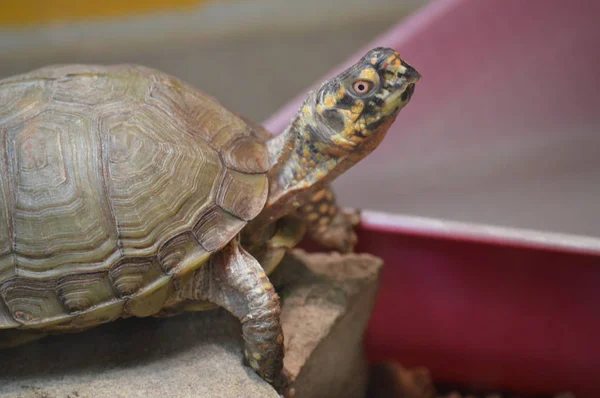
column 333, row 151
column 391, row 59
column 329, row 100
column 373, row 61
column 319, row 195
column 268, row 286
column 323, row 208
column 356, row 139
column 306, row 110
column 320, row 147
column 373, row 119
column 262, row 275
column 368, row 74
column 395, row 65
column 256, row 356
column 254, row 364
column 342, row 142
column 312, row 217
column 341, row 92
column 350, row 116
column 358, row 107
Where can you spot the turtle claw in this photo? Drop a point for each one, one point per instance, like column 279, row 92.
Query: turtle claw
column 284, row 385
column 290, row 392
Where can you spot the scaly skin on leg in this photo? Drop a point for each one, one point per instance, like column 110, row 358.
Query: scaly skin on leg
column 234, row 280
column 329, row 225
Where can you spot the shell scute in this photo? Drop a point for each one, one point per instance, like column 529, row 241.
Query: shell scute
column 241, row 148
column 151, row 298
column 7, row 258
column 151, row 168
column 245, row 154
column 54, row 182
column 119, row 181
column 20, row 98
column 188, row 106
column 181, row 254
column 6, row 318
column 101, row 313
column 129, row 275
column 243, row 195
column 215, row 227
column 92, row 89
column 79, row 292
column 31, row 301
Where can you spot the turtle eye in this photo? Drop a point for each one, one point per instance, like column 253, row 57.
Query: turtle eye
column 362, row 87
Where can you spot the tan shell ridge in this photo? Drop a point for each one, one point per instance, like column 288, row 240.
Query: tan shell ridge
column 115, row 181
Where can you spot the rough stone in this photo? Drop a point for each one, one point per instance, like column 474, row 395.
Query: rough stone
column 327, row 300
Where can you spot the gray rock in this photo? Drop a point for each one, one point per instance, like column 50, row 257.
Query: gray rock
column 327, row 301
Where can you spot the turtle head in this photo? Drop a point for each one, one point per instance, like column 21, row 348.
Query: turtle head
column 338, row 125
column 354, row 110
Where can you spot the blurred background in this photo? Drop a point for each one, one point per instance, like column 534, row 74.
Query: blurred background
column 486, row 188
column 500, row 165
column 254, row 55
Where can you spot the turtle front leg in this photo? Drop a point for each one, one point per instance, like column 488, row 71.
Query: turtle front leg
column 329, row 225
column 234, row 280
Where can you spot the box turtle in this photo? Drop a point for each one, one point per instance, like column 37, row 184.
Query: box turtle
column 126, row 192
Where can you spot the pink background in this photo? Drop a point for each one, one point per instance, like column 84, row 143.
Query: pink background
column 484, row 198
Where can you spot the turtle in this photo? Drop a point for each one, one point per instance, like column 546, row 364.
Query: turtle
column 126, row 192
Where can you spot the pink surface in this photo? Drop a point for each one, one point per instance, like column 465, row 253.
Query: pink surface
column 487, row 315
column 503, row 127
column 502, row 130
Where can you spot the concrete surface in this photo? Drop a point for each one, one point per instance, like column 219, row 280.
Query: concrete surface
column 327, row 306
column 327, row 301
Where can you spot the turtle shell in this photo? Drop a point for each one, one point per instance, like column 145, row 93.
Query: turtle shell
column 115, row 181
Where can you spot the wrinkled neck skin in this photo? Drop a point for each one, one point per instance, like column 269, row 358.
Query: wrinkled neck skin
column 304, row 159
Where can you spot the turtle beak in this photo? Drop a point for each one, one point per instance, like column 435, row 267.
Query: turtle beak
column 411, row 75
